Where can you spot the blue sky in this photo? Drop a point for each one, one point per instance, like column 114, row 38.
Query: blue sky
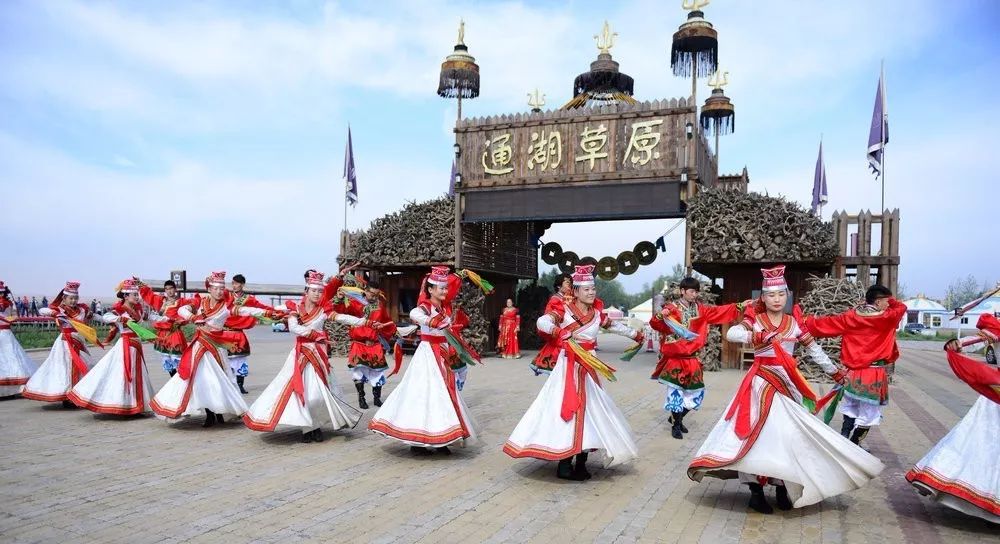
column 137, row 138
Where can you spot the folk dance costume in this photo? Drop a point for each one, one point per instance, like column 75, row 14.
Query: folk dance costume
column 15, row 365
column 510, row 325
column 366, row 356
column 459, row 321
column 545, row 361
column 118, row 384
column 68, row 359
column 170, row 341
column 572, row 414
column 961, row 471
column 237, row 323
column 766, row 435
column 304, row 394
column 679, row 368
column 868, row 348
column 204, row 379
column 426, row 408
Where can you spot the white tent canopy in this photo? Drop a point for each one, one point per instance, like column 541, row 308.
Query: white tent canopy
column 640, row 314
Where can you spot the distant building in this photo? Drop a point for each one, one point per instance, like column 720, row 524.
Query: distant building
column 921, row 309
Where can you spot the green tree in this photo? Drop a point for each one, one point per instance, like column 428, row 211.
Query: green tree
column 962, row 291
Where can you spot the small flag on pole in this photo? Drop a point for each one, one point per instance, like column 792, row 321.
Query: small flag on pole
column 451, row 183
column 819, row 183
column 350, row 177
column 878, row 136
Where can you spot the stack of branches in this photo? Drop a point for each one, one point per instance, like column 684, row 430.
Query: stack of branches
column 730, row 227
column 711, row 354
column 472, row 300
column 419, row 234
column 828, row 296
column 531, row 301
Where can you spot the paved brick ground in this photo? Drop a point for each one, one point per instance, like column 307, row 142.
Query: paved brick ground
column 71, row 476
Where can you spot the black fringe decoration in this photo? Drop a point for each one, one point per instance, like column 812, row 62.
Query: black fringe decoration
column 458, row 82
column 682, row 61
column 719, row 125
column 603, row 80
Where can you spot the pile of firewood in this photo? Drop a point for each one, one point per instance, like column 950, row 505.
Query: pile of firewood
column 828, row 296
column 531, row 301
column 472, row 300
column 419, row 234
column 730, row 226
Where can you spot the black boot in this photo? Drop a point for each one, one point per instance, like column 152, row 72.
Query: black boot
column 239, row 382
column 317, row 434
column 377, row 394
column 360, row 386
column 443, row 450
column 68, row 404
column 219, row 418
column 859, row 434
column 580, row 471
column 209, row 418
column 420, row 450
column 781, row 497
column 757, row 500
column 307, row 437
column 565, row 469
column 678, row 419
column 172, row 372
column 847, row 426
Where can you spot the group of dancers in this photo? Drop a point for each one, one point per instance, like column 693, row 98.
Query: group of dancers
column 769, row 434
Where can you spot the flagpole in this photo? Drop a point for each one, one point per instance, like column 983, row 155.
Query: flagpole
column 884, row 113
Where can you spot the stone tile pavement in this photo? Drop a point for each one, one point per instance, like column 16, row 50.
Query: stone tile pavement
column 71, row 476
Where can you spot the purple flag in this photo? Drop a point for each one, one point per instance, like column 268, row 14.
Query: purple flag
column 451, row 183
column 819, row 182
column 878, row 136
column 350, row 177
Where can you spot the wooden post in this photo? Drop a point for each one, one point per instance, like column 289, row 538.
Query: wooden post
column 458, row 230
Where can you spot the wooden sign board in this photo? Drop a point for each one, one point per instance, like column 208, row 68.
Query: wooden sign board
column 643, row 141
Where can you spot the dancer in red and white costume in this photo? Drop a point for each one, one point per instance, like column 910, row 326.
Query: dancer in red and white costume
column 69, row 359
column 510, row 326
column 204, row 379
column 15, row 365
column 304, row 394
column 237, row 323
column 119, row 383
column 426, row 408
column 962, row 470
column 766, row 435
column 170, row 341
column 366, row 357
column 545, row 361
column 572, row 414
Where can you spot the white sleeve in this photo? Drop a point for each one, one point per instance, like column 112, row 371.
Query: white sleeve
column 185, row 312
column 247, row 310
column 110, row 317
column 739, row 333
column 546, row 324
column 295, row 328
column 418, row 316
column 621, row 329
column 819, row 357
column 48, row 312
column 349, row 320
column 156, row 317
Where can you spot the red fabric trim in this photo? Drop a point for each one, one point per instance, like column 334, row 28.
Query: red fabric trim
column 42, row 396
column 981, row 499
column 712, row 462
column 113, row 409
column 189, row 361
column 14, row 381
column 416, row 435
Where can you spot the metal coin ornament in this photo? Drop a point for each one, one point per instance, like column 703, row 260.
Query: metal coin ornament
column 551, row 253
column 568, row 261
column 627, row 263
column 645, row 252
column 607, row 268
